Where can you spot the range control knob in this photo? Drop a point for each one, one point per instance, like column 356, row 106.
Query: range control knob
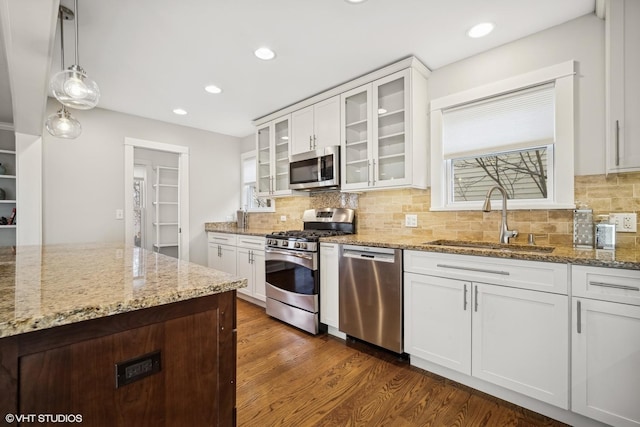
column 297, row 245
column 303, row 245
column 285, row 243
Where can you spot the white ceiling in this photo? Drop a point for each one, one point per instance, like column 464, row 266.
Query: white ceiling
column 151, row 56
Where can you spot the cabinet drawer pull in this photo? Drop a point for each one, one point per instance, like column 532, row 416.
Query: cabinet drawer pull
column 611, row 285
column 250, row 243
column 477, row 270
column 579, row 320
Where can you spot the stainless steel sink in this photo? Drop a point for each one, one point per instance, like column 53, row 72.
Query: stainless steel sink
column 492, row 246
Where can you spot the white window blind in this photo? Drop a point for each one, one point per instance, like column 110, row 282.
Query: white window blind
column 514, row 121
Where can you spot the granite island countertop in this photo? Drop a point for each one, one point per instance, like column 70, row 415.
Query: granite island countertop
column 46, row 286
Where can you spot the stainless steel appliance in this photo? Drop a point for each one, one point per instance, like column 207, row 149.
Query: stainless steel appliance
column 293, row 276
column 318, row 169
column 370, row 290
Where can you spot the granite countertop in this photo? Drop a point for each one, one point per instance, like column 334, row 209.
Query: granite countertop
column 621, row 258
column 231, row 228
column 46, row 286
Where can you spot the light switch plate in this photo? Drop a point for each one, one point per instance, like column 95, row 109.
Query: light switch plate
column 625, row 222
column 119, row 214
column 410, row 220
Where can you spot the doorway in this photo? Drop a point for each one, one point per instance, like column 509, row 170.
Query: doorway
column 156, row 197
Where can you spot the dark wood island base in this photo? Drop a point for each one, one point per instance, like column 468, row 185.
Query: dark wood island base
column 70, row 370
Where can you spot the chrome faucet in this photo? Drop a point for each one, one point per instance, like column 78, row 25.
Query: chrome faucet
column 505, row 233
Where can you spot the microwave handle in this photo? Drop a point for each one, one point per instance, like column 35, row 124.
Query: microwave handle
column 321, row 165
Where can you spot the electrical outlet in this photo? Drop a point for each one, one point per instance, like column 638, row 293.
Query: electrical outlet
column 119, row 214
column 625, row 222
column 283, row 218
column 411, row 220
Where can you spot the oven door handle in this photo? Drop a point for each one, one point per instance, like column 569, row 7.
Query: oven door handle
column 305, row 259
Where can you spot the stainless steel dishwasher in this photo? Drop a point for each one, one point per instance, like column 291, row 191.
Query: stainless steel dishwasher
column 370, row 289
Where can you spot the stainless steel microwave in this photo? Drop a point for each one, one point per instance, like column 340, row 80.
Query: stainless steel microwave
column 314, row 170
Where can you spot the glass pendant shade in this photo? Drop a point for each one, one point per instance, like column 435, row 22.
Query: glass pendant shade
column 74, row 89
column 63, row 125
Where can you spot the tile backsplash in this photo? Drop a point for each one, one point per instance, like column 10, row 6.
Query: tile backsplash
column 384, row 210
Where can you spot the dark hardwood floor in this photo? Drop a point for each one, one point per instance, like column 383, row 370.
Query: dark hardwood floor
column 286, row 377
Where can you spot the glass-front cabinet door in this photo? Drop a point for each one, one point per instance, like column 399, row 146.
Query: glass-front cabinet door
column 375, row 141
column 356, row 130
column 263, row 143
column 391, row 109
column 272, row 145
column 282, row 130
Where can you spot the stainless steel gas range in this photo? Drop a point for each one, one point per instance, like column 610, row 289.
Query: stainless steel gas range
column 292, row 271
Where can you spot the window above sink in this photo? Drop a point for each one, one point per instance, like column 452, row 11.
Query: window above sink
column 517, row 133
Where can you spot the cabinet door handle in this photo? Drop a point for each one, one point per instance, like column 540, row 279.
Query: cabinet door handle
column 310, row 143
column 219, row 251
column 315, row 144
column 465, row 297
column 611, row 285
column 477, row 270
column 369, row 173
column 617, row 142
column 374, row 172
column 579, row 317
column 476, row 299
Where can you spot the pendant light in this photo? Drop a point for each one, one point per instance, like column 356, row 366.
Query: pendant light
column 62, row 124
column 72, row 87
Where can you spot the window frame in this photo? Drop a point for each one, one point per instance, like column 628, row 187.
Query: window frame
column 243, row 157
column 560, row 180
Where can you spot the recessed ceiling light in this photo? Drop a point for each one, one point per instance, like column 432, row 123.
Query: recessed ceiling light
column 212, row 89
column 179, row 111
column 355, row 1
column 480, row 30
column 265, row 53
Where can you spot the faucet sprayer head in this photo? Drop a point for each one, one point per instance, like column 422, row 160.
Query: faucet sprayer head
column 486, row 207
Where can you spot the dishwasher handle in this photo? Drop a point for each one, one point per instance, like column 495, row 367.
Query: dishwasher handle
column 369, row 254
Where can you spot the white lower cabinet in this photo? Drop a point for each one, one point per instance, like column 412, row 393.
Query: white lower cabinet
column 444, row 302
column 521, row 342
column 221, row 253
column 242, row 256
column 251, row 265
column 515, row 338
column 605, row 363
column 329, row 292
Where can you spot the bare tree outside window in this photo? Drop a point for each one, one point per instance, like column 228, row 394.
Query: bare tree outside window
column 523, row 174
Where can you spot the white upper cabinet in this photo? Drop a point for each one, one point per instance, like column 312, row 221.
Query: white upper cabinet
column 623, row 85
column 384, row 133
column 272, row 148
column 316, row 126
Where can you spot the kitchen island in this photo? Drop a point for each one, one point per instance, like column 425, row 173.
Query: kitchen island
column 115, row 335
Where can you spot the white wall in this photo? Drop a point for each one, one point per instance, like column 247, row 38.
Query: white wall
column 83, row 179
column 248, row 143
column 581, row 40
